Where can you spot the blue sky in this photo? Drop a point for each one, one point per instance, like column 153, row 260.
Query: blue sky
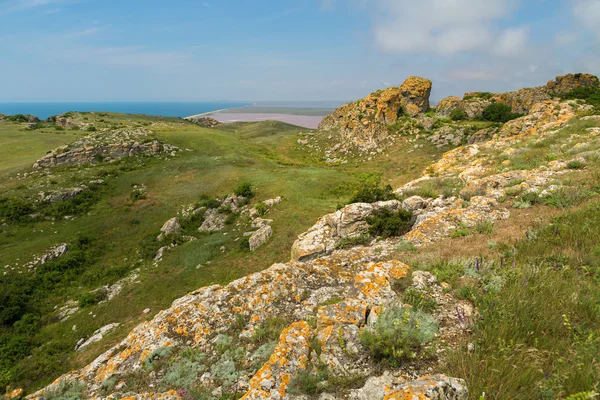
column 190, row 50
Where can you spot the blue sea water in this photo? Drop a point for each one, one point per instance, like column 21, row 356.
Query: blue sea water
column 164, row 109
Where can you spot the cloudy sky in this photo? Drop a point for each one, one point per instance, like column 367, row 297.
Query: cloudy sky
column 193, row 50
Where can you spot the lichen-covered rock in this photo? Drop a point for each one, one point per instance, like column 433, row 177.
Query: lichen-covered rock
column 522, row 101
column 542, row 116
column 347, row 222
column 415, row 91
column 365, row 122
column 260, row 237
column 214, row 221
column 97, row 336
column 294, row 291
column 570, row 82
column 449, row 104
column 170, row 227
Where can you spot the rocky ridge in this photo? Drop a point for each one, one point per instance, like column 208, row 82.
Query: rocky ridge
column 105, row 147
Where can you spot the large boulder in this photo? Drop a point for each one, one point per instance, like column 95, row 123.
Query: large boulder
column 415, row 93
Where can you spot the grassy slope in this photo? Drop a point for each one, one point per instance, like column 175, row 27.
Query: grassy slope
column 265, row 154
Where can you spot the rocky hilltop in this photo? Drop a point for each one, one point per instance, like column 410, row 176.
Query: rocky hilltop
column 317, row 318
column 373, row 122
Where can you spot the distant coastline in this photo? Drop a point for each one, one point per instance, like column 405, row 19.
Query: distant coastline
column 44, row 110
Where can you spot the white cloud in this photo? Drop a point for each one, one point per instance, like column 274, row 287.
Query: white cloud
column 447, row 26
column 565, row 38
column 587, row 12
column 512, row 42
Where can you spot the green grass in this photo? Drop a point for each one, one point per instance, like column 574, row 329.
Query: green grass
column 264, row 154
column 538, row 335
column 20, row 147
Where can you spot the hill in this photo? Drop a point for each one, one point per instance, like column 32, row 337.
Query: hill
column 435, row 289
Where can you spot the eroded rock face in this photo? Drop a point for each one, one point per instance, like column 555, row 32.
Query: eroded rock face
column 569, row 82
column 260, row 237
column 364, row 123
column 61, row 195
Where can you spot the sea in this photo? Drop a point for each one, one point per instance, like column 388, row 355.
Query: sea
column 163, row 109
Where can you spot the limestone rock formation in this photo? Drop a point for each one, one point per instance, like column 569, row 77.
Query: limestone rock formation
column 569, row 82
column 61, row 195
column 105, row 146
column 364, row 123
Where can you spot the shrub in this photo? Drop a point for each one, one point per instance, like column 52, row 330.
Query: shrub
column 261, row 208
column 388, row 223
column 576, row 164
column 398, row 334
column 588, row 93
column 244, row 190
column 498, row 112
column 370, row 190
column 91, row 129
column 91, row 298
column 458, row 115
column 185, row 371
column 419, row 299
column 405, row 245
column 245, row 244
column 15, row 209
column 208, row 202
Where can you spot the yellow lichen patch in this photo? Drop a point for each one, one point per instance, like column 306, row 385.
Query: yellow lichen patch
column 290, row 354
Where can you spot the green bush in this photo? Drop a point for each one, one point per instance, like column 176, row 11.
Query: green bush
column 591, row 94
column 91, row 129
column 360, row 240
column 244, row 190
column 91, row 298
column 419, row 299
column 18, row 118
column 458, row 115
column 576, row 164
column 389, row 223
column 245, row 244
column 399, row 334
column 14, row 209
column 370, row 190
column 261, row 208
column 185, row 371
column 499, row 112
column 208, row 202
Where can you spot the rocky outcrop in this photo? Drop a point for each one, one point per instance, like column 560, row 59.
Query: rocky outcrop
column 205, row 122
column 69, row 123
column 294, row 292
column 61, row 195
column 104, row 147
column 348, row 222
column 521, row 101
column 51, row 254
column 365, row 122
column 171, row 227
column 567, row 83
